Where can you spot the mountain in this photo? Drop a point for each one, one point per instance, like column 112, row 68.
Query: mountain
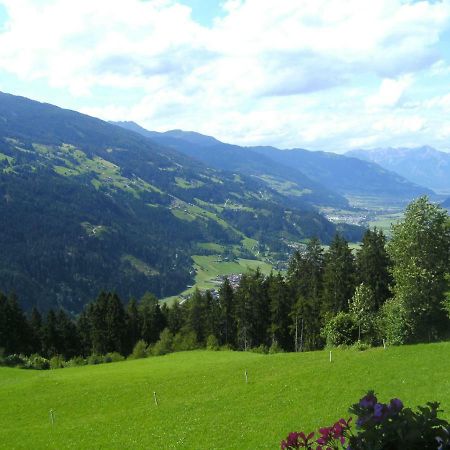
column 446, row 203
column 320, row 178
column 422, row 165
column 86, row 205
column 288, row 181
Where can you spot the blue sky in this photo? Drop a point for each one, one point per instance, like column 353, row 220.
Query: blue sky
column 322, row 74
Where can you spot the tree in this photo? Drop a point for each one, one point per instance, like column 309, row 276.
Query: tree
column 339, row 277
column 280, row 307
column 133, row 323
column 361, row 306
column 420, row 251
column 227, row 308
column 373, row 266
column 153, row 321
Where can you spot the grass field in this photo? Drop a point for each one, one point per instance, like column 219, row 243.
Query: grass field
column 208, row 267
column 204, row 402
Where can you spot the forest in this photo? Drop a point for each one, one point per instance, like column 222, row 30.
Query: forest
column 394, row 292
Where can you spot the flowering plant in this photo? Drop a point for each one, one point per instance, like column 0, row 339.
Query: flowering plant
column 379, row 426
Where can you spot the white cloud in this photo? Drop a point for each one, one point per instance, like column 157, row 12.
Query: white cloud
column 291, row 72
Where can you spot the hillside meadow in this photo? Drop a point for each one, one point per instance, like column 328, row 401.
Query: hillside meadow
column 203, row 399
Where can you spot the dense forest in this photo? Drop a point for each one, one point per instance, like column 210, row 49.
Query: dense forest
column 395, row 291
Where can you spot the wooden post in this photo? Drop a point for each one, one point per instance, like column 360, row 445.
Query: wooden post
column 384, row 344
column 246, row 376
column 155, row 398
column 52, row 416
column 330, row 356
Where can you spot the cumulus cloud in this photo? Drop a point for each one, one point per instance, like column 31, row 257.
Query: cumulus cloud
column 282, row 72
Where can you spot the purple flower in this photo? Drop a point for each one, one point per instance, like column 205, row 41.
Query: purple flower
column 369, row 401
column 395, row 405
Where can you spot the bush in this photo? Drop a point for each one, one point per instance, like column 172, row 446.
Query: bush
column 140, row 350
column 212, row 343
column 261, row 349
column 76, row 362
column 15, row 360
column 113, row 357
column 57, row 362
column 37, row 362
column 360, row 346
column 184, row 341
column 340, row 329
column 379, row 426
column 94, row 359
column 275, row 348
column 165, row 343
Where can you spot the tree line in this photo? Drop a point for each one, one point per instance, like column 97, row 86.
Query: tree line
column 393, row 291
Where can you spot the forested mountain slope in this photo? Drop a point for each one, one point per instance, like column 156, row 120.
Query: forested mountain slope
column 86, row 205
column 320, row 178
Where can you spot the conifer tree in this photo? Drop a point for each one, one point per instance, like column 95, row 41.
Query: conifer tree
column 338, row 277
column 227, row 309
column 153, row 321
column 373, row 266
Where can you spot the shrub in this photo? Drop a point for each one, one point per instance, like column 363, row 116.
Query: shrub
column 360, row 346
column 113, row 357
column 76, row 362
column 275, row 348
column 212, row 343
column 140, row 350
column 165, row 343
column 379, row 426
column 37, row 362
column 94, row 359
column 57, row 362
column 340, row 329
column 184, row 341
column 15, row 360
column 261, row 349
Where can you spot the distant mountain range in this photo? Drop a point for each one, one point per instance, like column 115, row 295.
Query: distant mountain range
column 319, row 178
column 86, row 205
column 422, row 165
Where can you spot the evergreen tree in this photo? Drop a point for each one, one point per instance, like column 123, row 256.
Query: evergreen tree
column 420, row 251
column 227, row 309
column 373, row 266
column 280, row 307
column 16, row 334
column 153, row 321
column 51, row 338
column 252, row 311
column 116, row 328
column 36, row 331
column 338, row 277
column 197, row 318
column 176, row 317
column 133, row 325
column 69, row 341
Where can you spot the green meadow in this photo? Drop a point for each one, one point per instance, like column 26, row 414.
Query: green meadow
column 203, row 399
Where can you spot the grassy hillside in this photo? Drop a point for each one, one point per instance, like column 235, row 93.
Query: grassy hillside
column 204, row 402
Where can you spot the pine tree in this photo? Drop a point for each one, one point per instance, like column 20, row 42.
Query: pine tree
column 51, row 338
column 36, row 330
column 133, row 325
column 153, row 321
column 339, row 277
column 227, row 309
column 373, row 266
column 280, row 307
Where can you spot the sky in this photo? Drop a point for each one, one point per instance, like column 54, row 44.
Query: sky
column 318, row 74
